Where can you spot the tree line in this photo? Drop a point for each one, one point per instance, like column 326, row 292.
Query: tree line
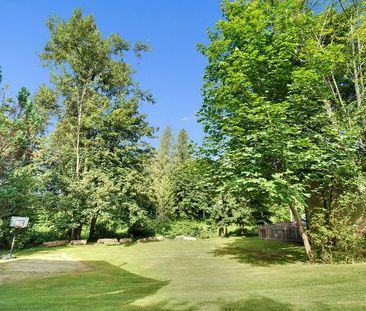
column 283, row 115
column 74, row 156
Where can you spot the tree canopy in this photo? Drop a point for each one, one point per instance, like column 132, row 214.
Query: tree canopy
column 283, row 114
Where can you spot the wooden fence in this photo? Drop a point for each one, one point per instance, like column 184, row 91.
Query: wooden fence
column 283, row 231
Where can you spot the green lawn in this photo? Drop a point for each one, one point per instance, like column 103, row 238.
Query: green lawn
column 215, row 274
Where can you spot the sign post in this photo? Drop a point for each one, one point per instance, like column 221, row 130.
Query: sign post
column 16, row 223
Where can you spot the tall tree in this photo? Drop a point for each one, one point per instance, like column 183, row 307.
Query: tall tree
column 191, row 199
column 20, row 126
column 183, row 149
column 162, row 170
column 269, row 105
column 97, row 110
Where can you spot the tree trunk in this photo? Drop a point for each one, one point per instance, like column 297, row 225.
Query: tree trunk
column 302, row 233
column 241, row 229
column 76, row 232
column 92, row 228
column 77, row 169
column 221, row 231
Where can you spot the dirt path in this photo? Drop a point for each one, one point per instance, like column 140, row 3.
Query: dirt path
column 39, row 266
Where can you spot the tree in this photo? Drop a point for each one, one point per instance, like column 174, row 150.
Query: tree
column 191, row 191
column 335, row 53
column 270, row 103
column 162, row 175
column 98, row 136
column 20, row 127
column 183, row 149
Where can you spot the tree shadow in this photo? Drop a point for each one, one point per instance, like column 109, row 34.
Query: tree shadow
column 102, row 287
column 256, row 304
column 261, row 252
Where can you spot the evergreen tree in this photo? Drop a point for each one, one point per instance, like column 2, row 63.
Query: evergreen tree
column 162, row 170
column 183, row 148
column 192, row 191
column 191, row 199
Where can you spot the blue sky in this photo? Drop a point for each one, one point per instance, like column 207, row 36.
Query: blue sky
column 172, row 71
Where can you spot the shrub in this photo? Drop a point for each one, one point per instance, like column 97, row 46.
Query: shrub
column 335, row 240
column 189, row 228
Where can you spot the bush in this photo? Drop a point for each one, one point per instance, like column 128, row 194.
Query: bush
column 336, row 241
column 249, row 230
column 34, row 235
column 142, row 229
column 189, row 228
column 171, row 229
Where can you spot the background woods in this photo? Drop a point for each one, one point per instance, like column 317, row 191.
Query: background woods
column 283, row 114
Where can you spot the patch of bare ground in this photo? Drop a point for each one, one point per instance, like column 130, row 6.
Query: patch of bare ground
column 39, row 267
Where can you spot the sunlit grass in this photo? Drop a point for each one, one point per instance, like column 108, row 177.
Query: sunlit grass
column 215, row 274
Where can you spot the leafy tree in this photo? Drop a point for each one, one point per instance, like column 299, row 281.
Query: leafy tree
column 270, row 106
column 20, row 126
column 97, row 142
column 335, row 53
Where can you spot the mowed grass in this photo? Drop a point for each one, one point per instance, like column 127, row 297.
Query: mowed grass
column 216, row 274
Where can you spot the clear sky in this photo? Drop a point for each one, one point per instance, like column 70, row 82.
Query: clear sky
column 172, row 71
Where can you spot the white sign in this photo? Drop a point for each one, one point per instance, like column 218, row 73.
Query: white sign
column 19, row 222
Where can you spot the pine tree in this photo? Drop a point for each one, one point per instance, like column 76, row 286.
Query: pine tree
column 191, row 199
column 183, row 148
column 162, row 176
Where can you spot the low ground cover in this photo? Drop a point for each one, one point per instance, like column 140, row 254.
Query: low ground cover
column 215, row 274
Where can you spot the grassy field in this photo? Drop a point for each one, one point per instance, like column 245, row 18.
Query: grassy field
column 215, row 274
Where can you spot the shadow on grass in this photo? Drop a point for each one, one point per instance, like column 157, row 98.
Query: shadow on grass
column 268, row 304
column 261, row 252
column 256, row 304
column 104, row 287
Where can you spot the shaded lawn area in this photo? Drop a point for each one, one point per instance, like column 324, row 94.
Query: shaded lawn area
column 106, row 287
column 262, row 252
column 216, row 274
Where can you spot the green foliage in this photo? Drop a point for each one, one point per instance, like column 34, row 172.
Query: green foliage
column 282, row 106
column 161, row 172
column 183, row 227
column 93, row 165
column 171, row 228
column 230, row 209
column 20, row 126
column 337, row 232
column 188, row 228
column 283, row 111
column 179, row 186
column 191, row 191
column 183, row 149
column 336, row 243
